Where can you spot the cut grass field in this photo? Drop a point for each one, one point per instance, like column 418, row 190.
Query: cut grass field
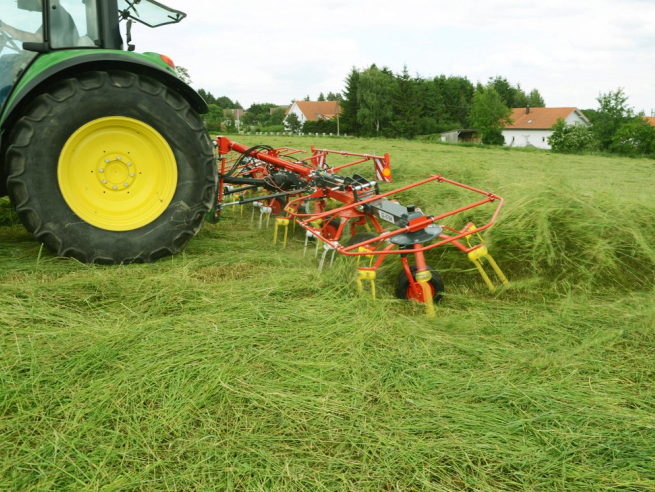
column 237, row 366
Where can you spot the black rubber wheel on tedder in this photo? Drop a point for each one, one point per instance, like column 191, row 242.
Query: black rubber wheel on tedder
column 111, row 167
column 404, row 290
column 277, row 205
column 331, row 226
column 360, row 237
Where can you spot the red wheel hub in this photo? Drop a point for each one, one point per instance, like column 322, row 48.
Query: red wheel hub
column 330, row 232
column 276, row 206
column 412, row 296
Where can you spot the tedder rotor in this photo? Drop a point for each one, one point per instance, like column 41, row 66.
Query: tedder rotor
column 351, row 215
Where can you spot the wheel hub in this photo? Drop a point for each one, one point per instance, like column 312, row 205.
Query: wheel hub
column 116, row 172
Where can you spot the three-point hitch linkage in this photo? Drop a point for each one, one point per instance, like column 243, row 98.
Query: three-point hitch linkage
column 326, row 204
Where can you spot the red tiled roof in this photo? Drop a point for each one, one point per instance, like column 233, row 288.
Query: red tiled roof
column 313, row 109
column 650, row 119
column 537, row 118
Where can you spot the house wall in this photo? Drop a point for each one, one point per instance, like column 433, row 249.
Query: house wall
column 523, row 138
column 537, row 138
column 296, row 110
column 574, row 119
column 450, row 137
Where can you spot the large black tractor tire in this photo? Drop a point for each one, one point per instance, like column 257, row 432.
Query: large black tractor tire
column 111, row 167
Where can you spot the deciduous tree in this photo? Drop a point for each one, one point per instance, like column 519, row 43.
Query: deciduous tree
column 572, row 138
column 612, row 112
column 635, row 137
column 293, row 123
column 373, row 96
column 489, row 115
column 183, row 73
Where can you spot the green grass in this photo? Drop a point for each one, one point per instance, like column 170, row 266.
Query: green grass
column 237, row 366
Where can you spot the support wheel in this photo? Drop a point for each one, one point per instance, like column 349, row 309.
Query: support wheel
column 111, row 167
column 331, row 226
column 360, row 237
column 405, row 291
column 277, row 205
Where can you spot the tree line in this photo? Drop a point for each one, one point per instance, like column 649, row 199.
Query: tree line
column 378, row 102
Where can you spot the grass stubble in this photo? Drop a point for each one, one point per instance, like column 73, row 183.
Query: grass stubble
column 237, row 366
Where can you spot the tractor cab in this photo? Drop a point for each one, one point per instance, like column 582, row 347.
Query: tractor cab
column 31, row 27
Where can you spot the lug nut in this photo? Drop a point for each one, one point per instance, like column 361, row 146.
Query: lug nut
column 127, row 184
column 106, row 160
column 102, row 170
column 131, row 175
column 129, row 163
column 118, row 158
column 104, row 181
column 115, row 187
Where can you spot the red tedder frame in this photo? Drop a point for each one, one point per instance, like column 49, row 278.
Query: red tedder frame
column 413, row 232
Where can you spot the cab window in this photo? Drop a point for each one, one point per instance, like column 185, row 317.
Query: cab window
column 20, row 22
column 73, row 24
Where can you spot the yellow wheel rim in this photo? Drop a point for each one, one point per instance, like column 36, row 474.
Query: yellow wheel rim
column 117, row 173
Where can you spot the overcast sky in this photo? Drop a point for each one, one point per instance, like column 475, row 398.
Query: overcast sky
column 265, row 51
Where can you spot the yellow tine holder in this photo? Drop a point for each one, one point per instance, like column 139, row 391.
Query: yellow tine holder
column 482, row 252
column 497, row 269
column 363, row 249
column 423, row 279
column 280, row 221
column 366, row 275
column 485, row 277
column 242, row 197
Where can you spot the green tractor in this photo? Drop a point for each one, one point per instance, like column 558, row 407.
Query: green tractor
column 102, row 150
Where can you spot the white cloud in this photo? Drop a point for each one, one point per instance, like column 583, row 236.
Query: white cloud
column 257, row 51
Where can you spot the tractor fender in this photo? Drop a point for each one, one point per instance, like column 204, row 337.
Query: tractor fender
column 102, row 62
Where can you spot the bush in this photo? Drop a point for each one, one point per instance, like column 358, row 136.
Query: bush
column 270, row 128
column 320, row 126
column 570, row 139
column 492, row 136
column 634, row 138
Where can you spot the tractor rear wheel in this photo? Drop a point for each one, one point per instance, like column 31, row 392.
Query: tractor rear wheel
column 111, row 167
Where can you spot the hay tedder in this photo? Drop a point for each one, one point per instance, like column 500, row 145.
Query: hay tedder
column 350, row 214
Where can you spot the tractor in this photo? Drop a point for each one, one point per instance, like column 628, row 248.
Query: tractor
column 103, row 153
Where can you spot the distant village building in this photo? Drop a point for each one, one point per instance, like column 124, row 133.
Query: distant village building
column 455, row 136
column 650, row 119
column 235, row 114
column 313, row 110
column 531, row 127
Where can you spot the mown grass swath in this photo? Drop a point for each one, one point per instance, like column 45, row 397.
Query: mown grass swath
column 237, row 366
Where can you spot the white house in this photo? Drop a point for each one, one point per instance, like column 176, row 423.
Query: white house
column 313, row 110
column 532, row 126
